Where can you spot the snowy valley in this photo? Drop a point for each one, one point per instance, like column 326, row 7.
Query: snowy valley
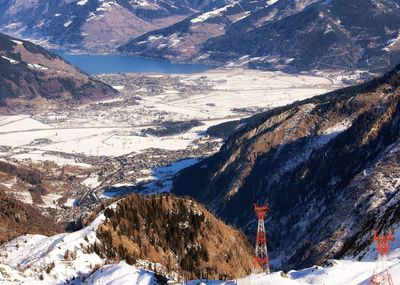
column 126, row 141
column 106, row 146
column 211, row 142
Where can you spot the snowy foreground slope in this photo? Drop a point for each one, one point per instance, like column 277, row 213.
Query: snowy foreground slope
column 35, row 259
column 341, row 272
column 335, row 272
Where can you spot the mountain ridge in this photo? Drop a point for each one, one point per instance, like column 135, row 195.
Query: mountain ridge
column 32, row 79
column 94, row 25
column 184, row 240
column 282, row 35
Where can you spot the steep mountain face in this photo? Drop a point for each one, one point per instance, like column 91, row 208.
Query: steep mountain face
column 328, row 167
column 165, row 234
column 97, row 25
column 32, row 78
column 286, row 34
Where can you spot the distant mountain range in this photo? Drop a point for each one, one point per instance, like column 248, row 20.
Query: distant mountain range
column 328, row 166
column 32, row 79
column 97, row 25
column 286, row 34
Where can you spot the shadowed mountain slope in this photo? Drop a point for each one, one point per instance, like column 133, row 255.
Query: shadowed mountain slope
column 328, row 166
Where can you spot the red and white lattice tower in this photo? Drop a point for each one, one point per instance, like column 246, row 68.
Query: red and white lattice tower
column 261, row 259
column 381, row 274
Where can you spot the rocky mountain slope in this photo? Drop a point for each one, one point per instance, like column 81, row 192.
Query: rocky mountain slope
column 97, row 25
column 164, row 233
column 284, row 34
column 32, row 78
column 328, row 166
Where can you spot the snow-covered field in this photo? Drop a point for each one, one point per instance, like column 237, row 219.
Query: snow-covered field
column 100, row 134
column 116, row 129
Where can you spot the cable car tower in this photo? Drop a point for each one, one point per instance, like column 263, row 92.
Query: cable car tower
column 261, row 260
column 381, row 275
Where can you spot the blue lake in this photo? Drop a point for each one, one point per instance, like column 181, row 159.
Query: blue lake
column 96, row 64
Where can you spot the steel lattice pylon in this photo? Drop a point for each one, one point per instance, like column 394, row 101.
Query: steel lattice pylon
column 261, row 259
column 381, row 275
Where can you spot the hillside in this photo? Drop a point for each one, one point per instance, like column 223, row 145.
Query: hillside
column 164, row 233
column 17, row 218
column 176, row 233
column 32, row 79
column 95, row 25
column 328, row 166
column 285, row 34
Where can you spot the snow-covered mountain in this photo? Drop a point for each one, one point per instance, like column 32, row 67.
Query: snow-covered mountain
column 329, row 167
column 98, row 25
column 183, row 41
column 284, row 34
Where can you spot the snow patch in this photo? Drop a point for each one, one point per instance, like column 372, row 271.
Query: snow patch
column 68, row 23
column 271, row 2
column 214, row 13
column 92, row 181
column 107, row 5
column 12, row 61
column 82, row 2
column 119, row 87
column 37, row 66
column 119, row 274
column 17, row 42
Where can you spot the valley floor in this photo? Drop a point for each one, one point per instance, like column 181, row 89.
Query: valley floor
column 113, row 127
column 118, row 137
column 104, row 148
